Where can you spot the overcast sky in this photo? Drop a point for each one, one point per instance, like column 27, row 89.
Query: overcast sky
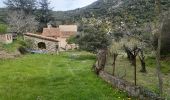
column 63, row 5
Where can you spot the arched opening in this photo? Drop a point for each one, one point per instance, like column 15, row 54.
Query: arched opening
column 41, row 45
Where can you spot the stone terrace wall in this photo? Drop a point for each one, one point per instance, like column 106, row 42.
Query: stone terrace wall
column 131, row 89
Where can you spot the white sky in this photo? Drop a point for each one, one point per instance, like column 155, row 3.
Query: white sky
column 63, row 5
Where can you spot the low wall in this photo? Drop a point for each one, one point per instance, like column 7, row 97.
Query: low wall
column 131, row 89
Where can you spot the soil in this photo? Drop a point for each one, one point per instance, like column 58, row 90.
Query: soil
column 7, row 55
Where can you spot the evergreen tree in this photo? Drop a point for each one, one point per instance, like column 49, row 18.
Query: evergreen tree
column 28, row 6
column 44, row 14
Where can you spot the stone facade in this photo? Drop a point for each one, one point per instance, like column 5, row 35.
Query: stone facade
column 40, row 42
column 61, row 33
column 6, row 38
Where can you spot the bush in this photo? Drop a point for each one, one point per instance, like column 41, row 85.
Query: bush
column 3, row 29
column 24, row 45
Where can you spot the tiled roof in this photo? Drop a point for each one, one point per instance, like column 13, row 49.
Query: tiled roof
column 41, row 37
column 62, row 31
column 51, row 32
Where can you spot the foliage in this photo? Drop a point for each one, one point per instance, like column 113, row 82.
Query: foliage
column 3, row 15
column 54, row 79
column 27, row 6
column 93, row 39
column 3, row 29
column 72, row 39
column 44, row 14
column 13, row 46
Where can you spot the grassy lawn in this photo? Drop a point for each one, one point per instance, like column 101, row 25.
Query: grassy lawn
column 66, row 76
column 148, row 80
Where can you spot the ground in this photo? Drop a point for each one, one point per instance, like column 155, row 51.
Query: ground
column 148, row 80
column 66, row 76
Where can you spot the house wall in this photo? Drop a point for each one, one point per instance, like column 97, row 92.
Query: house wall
column 51, row 46
column 6, row 38
column 67, row 34
column 62, row 43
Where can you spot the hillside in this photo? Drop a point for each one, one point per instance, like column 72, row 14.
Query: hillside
column 3, row 14
column 141, row 10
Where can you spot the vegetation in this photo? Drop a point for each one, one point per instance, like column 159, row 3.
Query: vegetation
column 117, row 31
column 13, row 46
column 66, row 76
column 149, row 79
column 3, row 29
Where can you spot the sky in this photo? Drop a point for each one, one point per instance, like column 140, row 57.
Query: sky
column 64, row 5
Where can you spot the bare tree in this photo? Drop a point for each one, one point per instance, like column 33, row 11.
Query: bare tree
column 20, row 22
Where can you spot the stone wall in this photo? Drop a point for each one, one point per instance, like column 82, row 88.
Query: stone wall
column 6, row 38
column 51, row 46
column 132, row 90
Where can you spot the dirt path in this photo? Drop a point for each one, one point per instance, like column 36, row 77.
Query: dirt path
column 7, row 55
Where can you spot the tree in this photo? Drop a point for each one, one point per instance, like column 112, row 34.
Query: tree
column 93, row 35
column 132, row 52
column 21, row 23
column 113, row 51
column 44, row 14
column 142, row 60
column 93, row 39
column 3, row 29
column 27, row 6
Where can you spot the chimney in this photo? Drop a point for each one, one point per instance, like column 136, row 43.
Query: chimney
column 49, row 25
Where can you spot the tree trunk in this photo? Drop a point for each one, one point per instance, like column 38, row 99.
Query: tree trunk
column 134, row 64
column 114, row 62
column 101, row 60
column 142, row 60
column 143, row 67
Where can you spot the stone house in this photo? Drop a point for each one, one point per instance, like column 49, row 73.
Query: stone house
column 42, row 43
column 6, row 38
column 61, row 33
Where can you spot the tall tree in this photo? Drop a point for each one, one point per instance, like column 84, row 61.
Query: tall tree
column 44, row 14
column 28, row 6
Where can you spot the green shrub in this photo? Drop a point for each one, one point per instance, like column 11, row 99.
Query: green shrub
column 3, row 29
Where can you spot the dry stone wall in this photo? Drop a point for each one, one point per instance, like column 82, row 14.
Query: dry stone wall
column 132, row 90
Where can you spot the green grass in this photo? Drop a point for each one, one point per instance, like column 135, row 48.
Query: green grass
column 13, row 46
column 150, row 61
column 66, row 76
column 148, row 80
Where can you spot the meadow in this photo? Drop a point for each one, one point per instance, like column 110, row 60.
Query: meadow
column 66, row 76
